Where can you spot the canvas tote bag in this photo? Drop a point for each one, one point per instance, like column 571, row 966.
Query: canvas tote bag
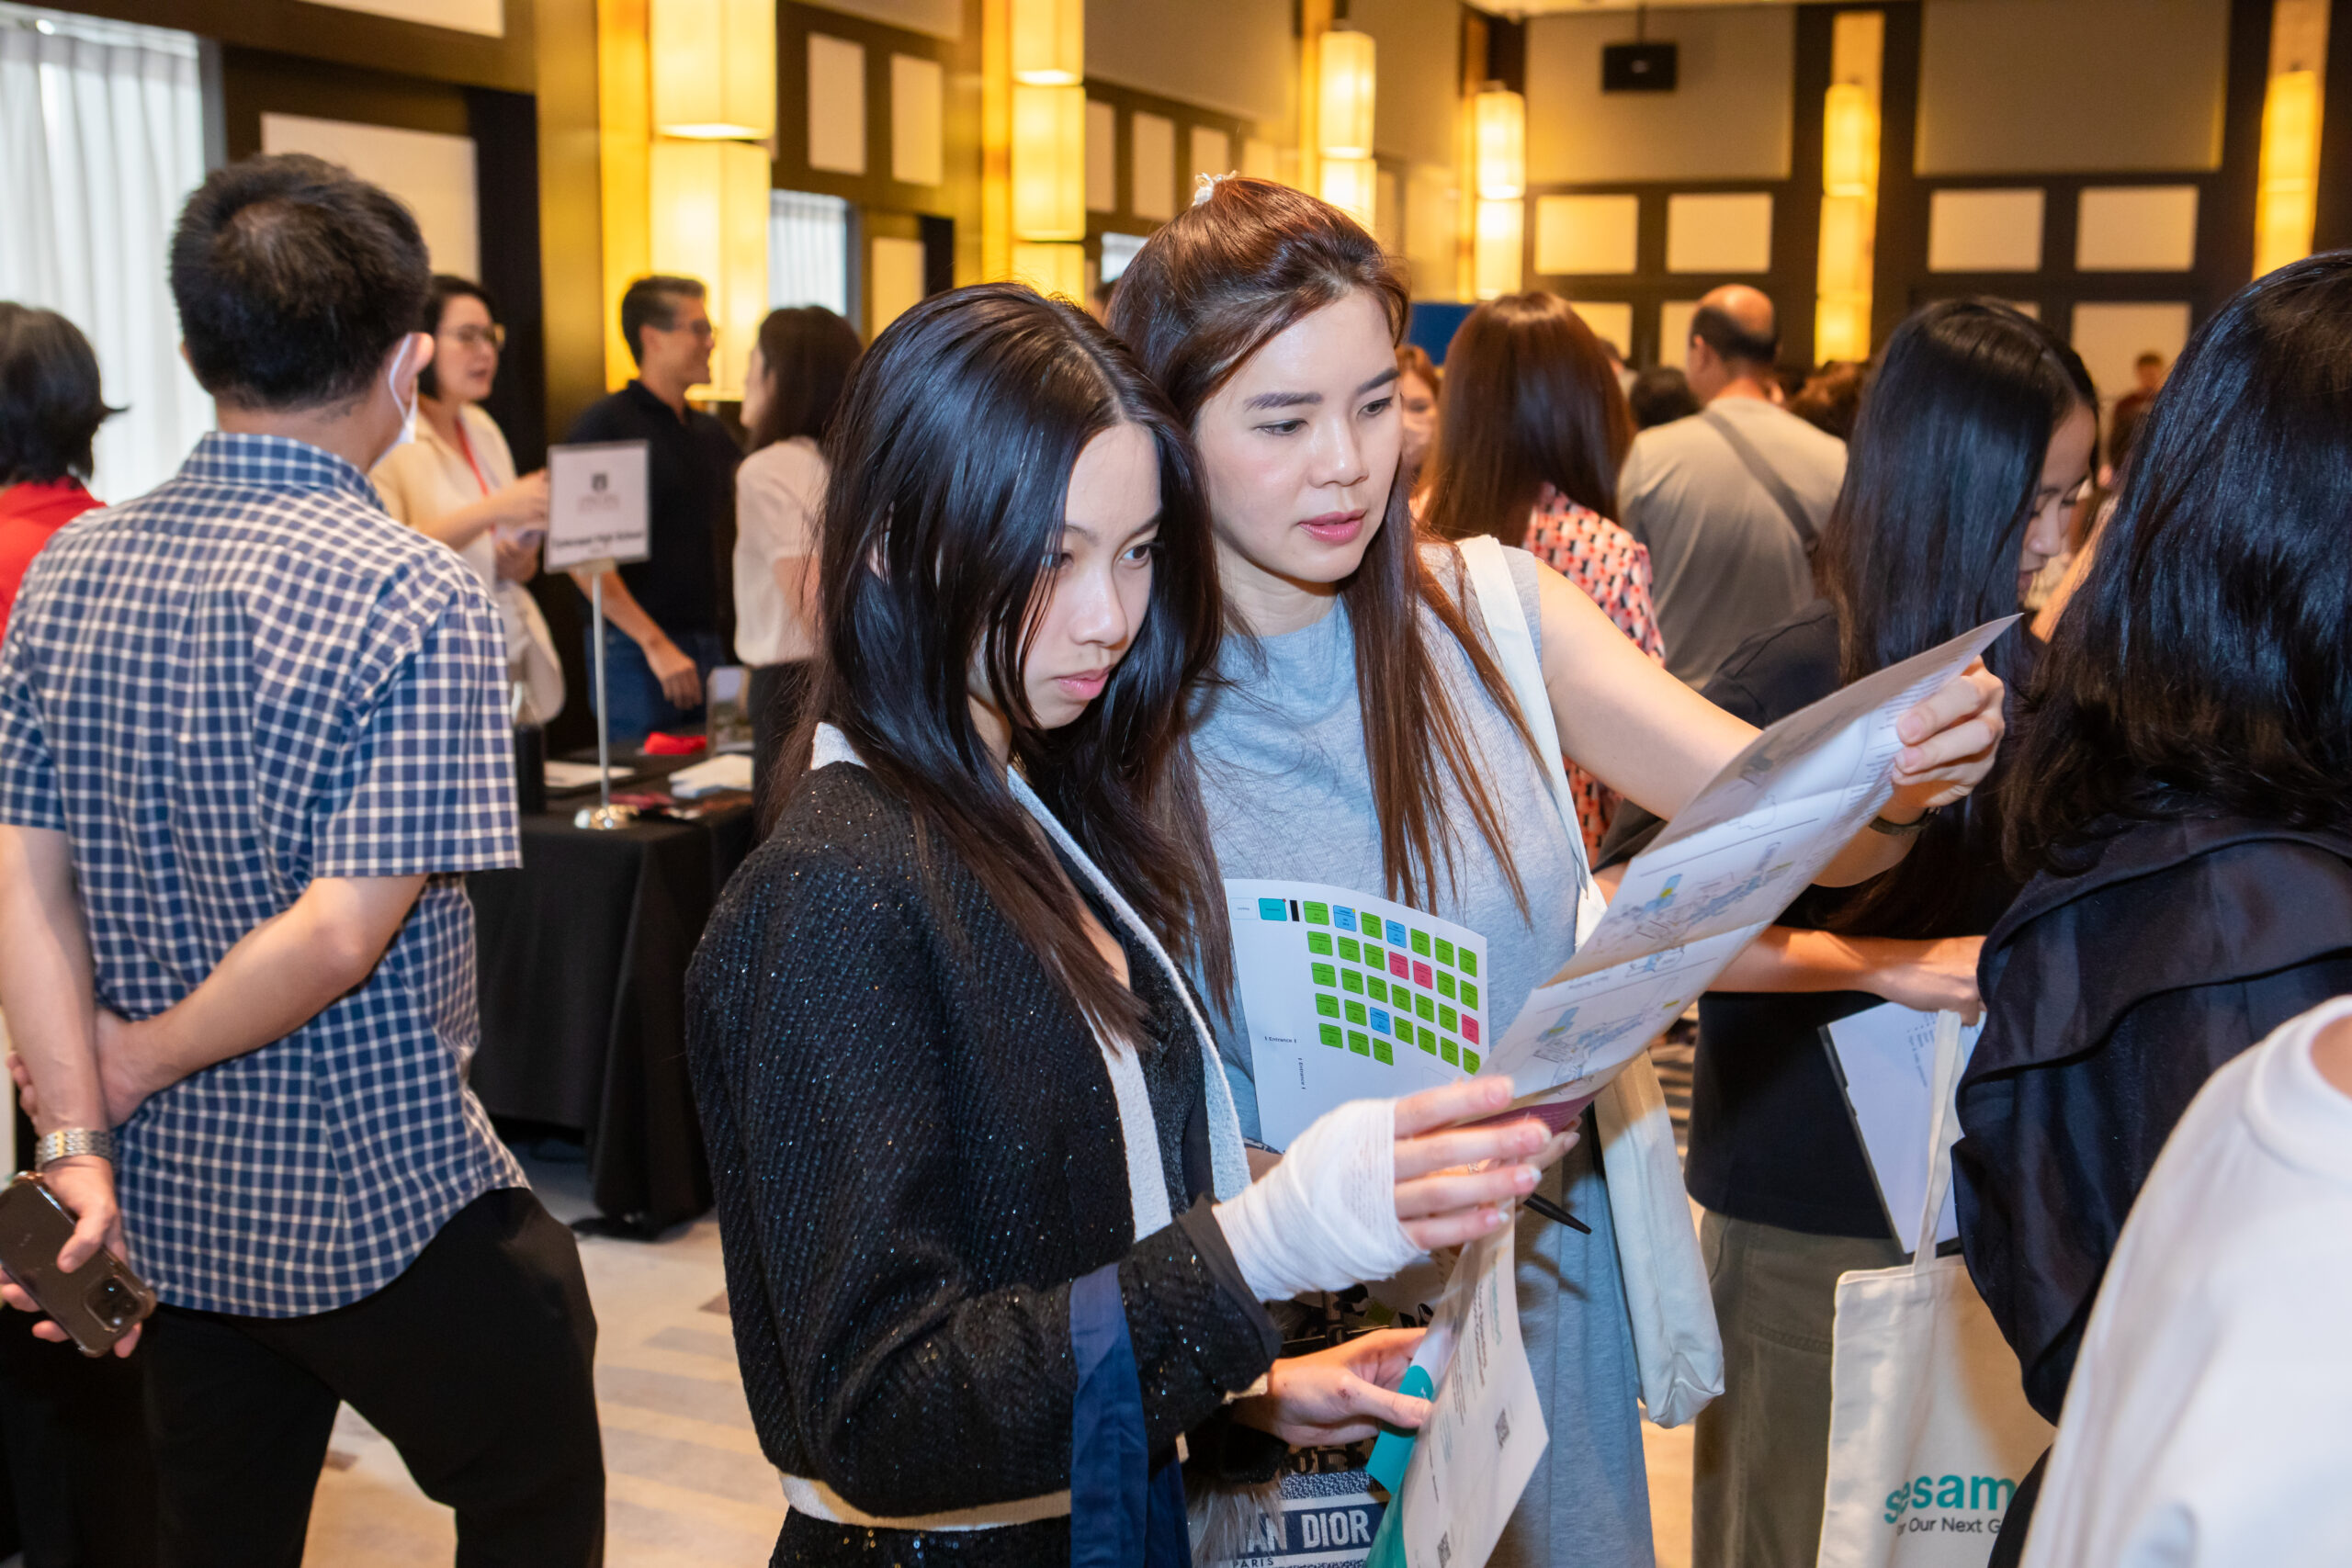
column 1929, row 1432
column 1676, row 1341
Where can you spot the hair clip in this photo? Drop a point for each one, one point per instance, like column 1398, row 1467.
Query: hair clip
column 1205, row 186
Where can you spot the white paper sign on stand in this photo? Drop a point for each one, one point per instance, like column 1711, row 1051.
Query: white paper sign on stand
column 597, row 504
column 597, row 518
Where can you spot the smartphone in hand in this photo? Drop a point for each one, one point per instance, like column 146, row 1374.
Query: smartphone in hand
column 97, row 1304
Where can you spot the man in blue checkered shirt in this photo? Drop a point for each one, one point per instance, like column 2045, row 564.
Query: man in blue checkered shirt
column 252, row 735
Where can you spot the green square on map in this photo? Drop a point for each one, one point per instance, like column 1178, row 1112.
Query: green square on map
column 1318, row 914
column 1449, row 1051
column 1423, row 1005
column 1349, row 980
column 1350, row 950
column 1469, row 961
column 1324, row 975
column 1355, row 1013
column 1379, row 988
column 1421, row 944
column 1469, row 1060
column 1374, row 958
column 1361, row 1044
column 1332, row 1036
column 1469, row 995
column 1444, row 951
column 1320, row 941
column 1429, row 1041
column 1445, row 987
column 1381, row 1052
column 1446, row 1019
column 1327, row 1004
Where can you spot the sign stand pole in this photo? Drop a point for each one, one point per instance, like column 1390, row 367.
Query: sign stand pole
column 605, row 815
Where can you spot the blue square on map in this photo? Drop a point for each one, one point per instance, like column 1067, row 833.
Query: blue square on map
column 1380, row 1021
column 1396, row 934
column 1344, row 919
column 1273, row 910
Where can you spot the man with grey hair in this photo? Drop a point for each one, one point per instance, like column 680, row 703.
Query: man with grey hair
column 1730, row 499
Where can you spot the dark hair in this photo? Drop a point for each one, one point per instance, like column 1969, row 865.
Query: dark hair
column 808, row 352
column 2201, row 668
column 49, row 406
column 652, row 302
column 1830, row 399
column 1734, row 344
column 1532, row 401
column 1661, row 395
column 294, row 280
column 1922, row 544
column 445, row 288
column 950, row 475
column 1210, row 289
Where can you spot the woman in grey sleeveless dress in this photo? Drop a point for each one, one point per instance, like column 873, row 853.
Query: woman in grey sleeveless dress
column 1362, row 735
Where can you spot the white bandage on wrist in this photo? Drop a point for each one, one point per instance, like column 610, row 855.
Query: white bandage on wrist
column 1325, row 1217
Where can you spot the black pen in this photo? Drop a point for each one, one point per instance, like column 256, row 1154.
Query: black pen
column 1550, row 1210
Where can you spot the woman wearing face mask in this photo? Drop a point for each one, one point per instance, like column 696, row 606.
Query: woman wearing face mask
column 1973, row 445
column 1417, row 397
column 1362, row 735
column 963, row 1120
column 455, row 481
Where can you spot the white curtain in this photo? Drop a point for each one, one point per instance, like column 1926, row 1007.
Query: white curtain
column 807, row 251
column 101, row 140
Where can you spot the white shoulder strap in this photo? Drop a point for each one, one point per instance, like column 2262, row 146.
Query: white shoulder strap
column 1506, row 628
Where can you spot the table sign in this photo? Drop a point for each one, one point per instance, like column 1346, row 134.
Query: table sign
column 597, row 518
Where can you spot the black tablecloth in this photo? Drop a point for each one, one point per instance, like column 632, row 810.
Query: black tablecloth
column 583, row 955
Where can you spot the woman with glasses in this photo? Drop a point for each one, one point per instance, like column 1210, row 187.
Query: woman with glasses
column 456, row 482
column 1971, row 450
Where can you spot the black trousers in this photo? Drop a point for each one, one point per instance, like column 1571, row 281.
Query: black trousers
column 477, row 1363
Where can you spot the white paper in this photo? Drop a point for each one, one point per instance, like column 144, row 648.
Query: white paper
column 562, row 776
column 597, row 504
column 1486, row 1426
column 1886, row 1060
column 730, row 772
column 1327, row 1003
column 1722, row 871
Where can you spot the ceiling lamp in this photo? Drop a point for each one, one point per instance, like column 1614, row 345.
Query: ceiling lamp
column 714, row 68
column 1048, row 163
column 1499, row 248
column 1351, row 185
column 1499, row 117
column 2289, row 180
column 708, row 211
column 1344, row 96
column 1050, row 42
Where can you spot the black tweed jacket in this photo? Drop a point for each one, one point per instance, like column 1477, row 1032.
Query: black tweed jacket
column 916, row 1150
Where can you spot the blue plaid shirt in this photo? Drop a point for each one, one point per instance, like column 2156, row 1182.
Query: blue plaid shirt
column 248, row 678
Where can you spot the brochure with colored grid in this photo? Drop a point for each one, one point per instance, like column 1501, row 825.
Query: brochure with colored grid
column 1349, row 997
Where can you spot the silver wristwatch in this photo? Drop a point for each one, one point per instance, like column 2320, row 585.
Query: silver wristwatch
column 71, row 1143
column 1904, row 829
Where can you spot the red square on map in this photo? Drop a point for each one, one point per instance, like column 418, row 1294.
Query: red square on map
column 1396, row 965
column 1469, row 1028
column 1421, row 976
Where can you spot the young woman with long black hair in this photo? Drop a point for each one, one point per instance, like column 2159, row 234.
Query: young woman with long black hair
column 1974, row 443
column 2184, row 809
column 1362, row 735
column 968, row 1143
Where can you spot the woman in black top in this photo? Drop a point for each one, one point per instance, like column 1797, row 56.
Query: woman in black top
column 2189, row 823
column 975, row 1185
column 1972, row 447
